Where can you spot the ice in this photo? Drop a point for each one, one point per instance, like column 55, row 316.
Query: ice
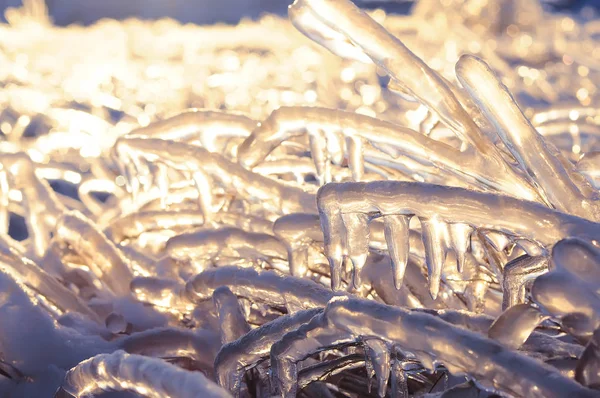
column 324, row 205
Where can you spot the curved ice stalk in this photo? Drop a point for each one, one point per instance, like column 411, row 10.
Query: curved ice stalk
column 318, row 148
column 211, row 243
column 288, row 122
column 204, row 183
column 132, row 225
column 135, row 224
column 164, row 293
column 312, row 27
column 264, row 286
column 392, row 55
column 537, row 345
column 514, row 326
column 232, row 321
column 411, row 73
column 31, row 274
column 517, row 273
column 146, row 376
column 348, row 318
column 297, row 345
column 204, row 125
column 42, row 205
column 190, row 158
column 238, row 356
column 557, row 178
column 201, row 346
column 519, row 218
column 449, row 205
column 101, row 255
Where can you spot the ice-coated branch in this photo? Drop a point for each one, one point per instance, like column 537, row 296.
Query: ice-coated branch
column 41, row 203
column 210, row 243
column 189, row 158
column 238, row 356
column 148, row 377
column 204, row 125
column 392, row 55
column 200, row 345
column 264, row 286
column 414, row 76
column 438, row 206
column 102, row 256
column 35, row 277
column 396, row 141
column 563, row 187
column 429, row 339
column 232, row 321
column 133, row 225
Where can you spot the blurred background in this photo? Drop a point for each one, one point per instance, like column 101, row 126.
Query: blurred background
column 65, row 12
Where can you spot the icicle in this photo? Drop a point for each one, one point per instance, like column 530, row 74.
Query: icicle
column 334, row 233
column 397, row 232
column 460, row 240
column 357, row 242
column 434, row 241
column 205, row 201
column 379, row 356
column 356, row 157
column 399, row 381
column 319, row 153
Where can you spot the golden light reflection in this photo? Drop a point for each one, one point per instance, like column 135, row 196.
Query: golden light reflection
column 181, row 200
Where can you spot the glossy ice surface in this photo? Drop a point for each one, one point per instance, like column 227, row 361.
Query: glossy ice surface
column 339, row 204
